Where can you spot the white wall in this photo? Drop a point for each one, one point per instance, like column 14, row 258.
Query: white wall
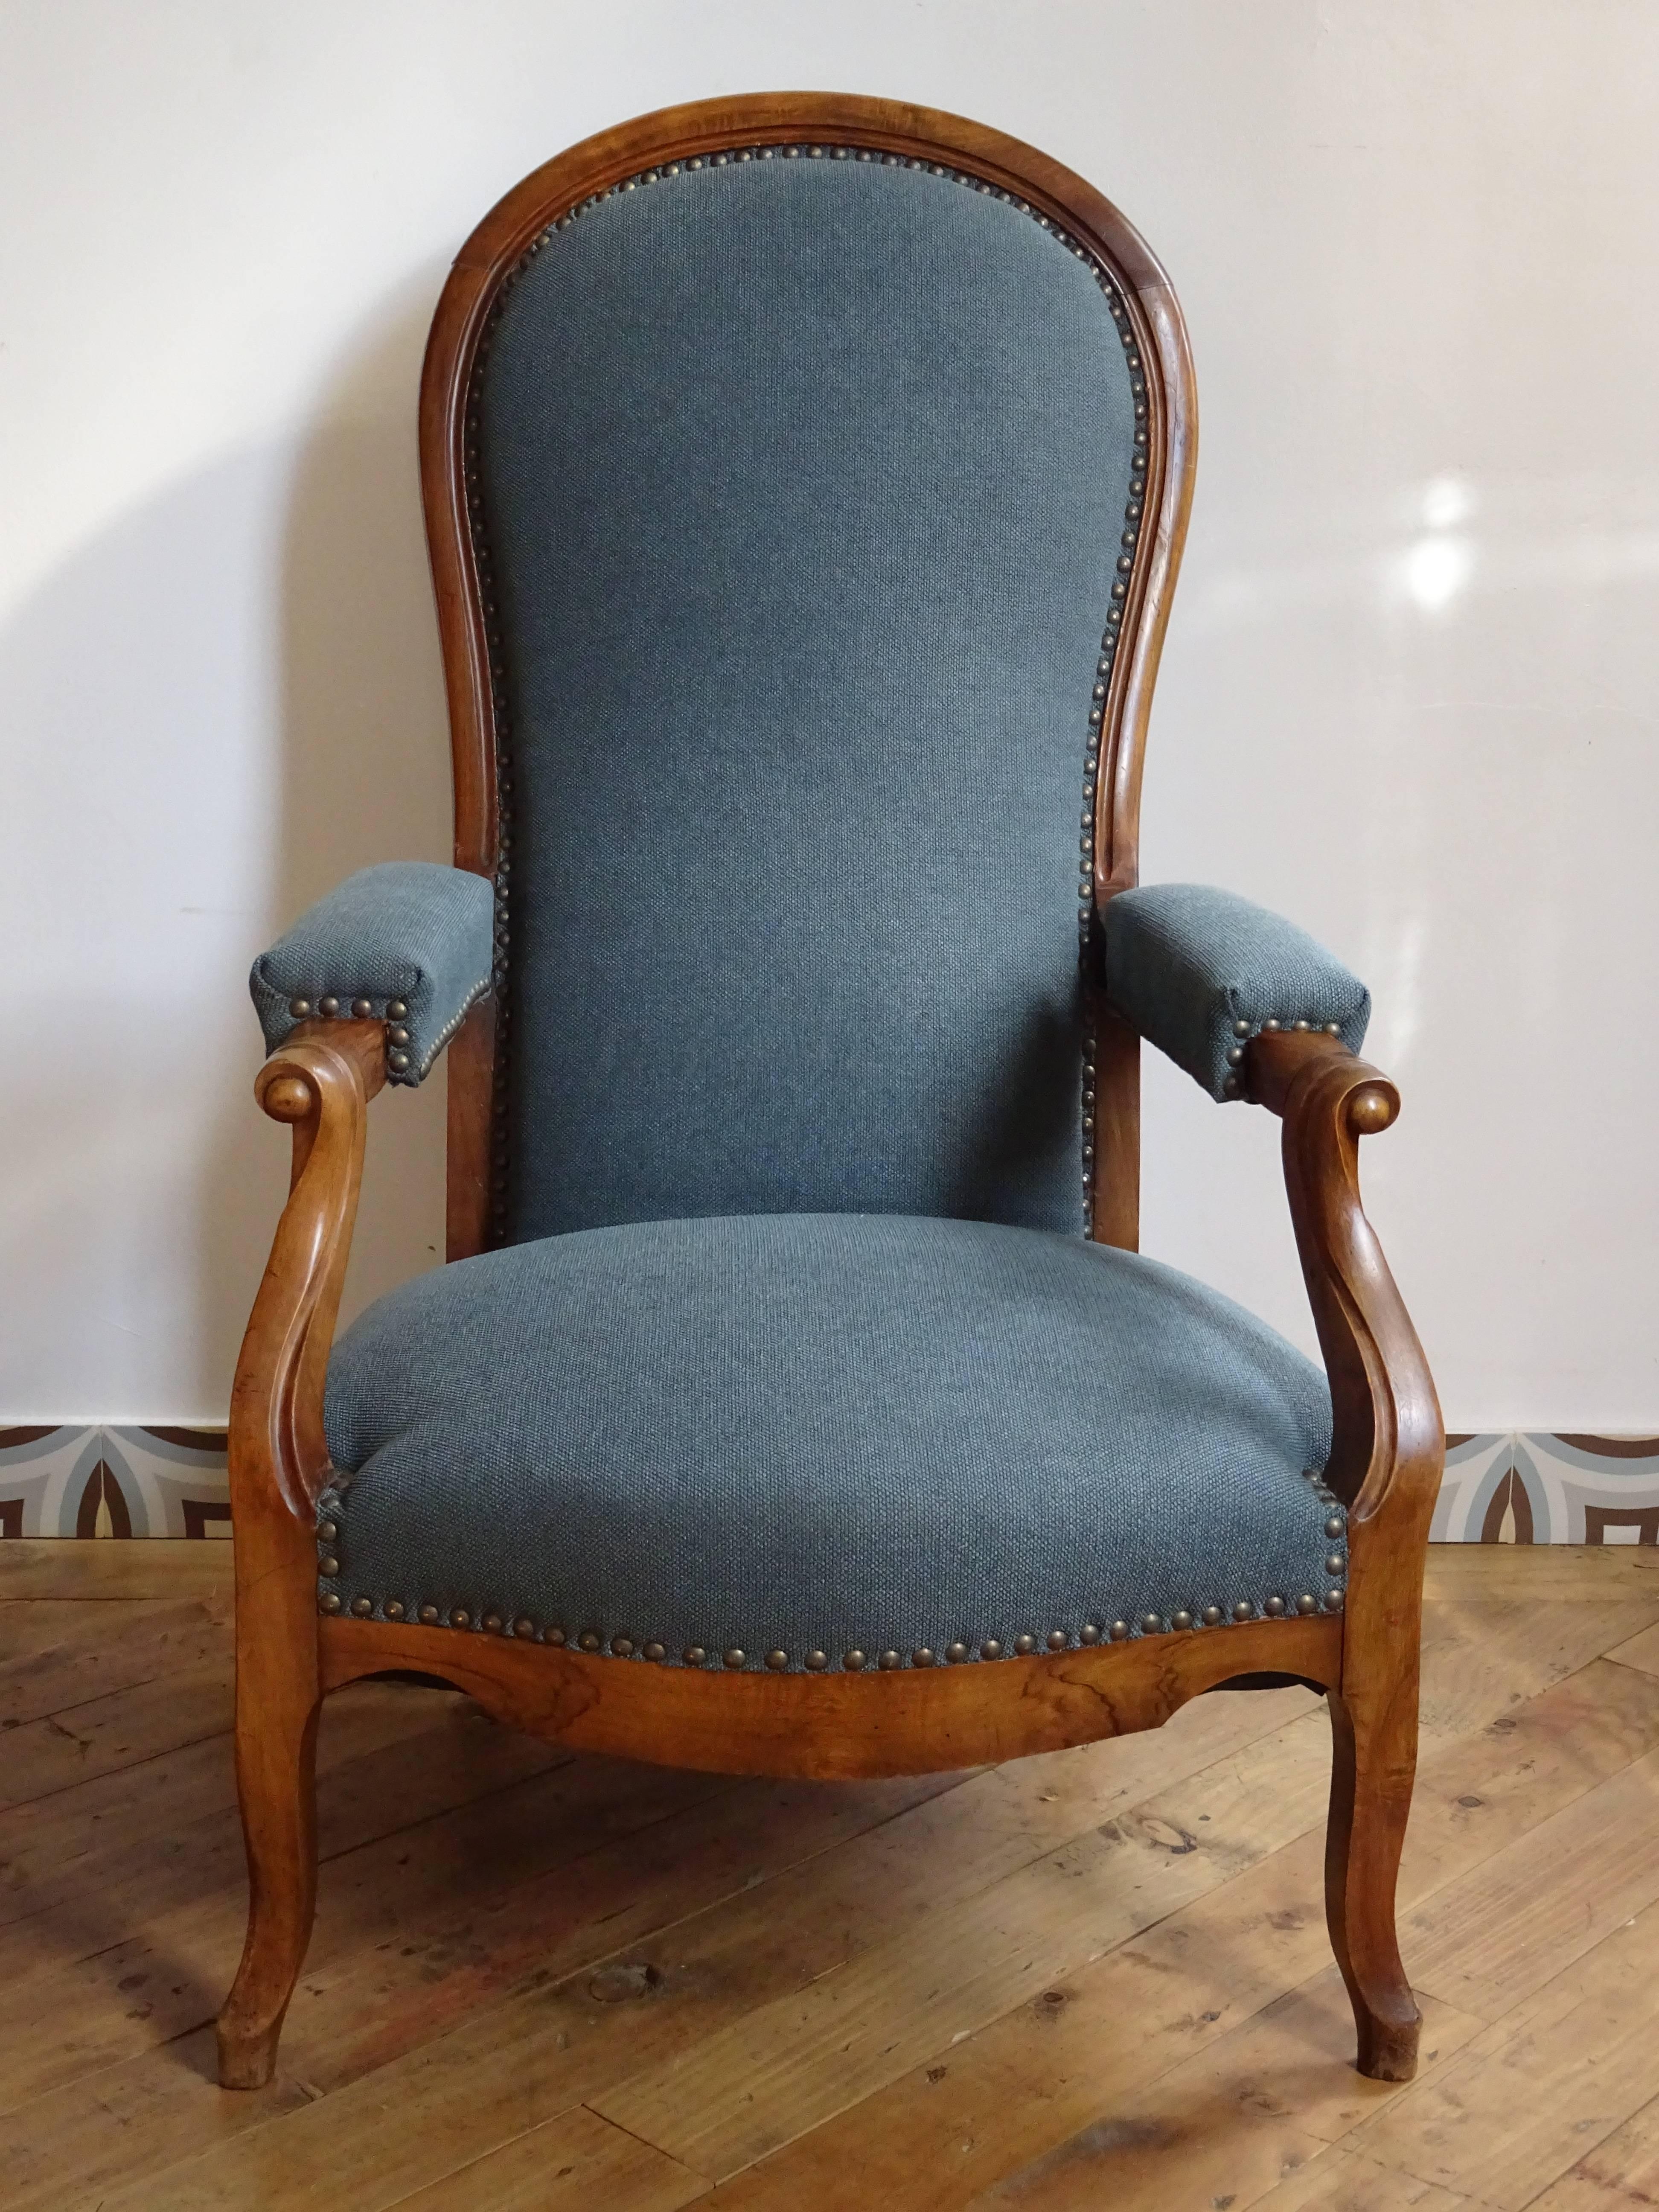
column 1409, row 693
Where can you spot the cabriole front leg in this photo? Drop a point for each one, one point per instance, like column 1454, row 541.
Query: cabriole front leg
column 276, row 1709
column 1372, row 1769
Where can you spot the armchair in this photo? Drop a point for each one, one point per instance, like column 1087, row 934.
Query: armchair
column 806, row 481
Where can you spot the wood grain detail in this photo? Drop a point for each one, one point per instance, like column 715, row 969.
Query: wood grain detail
column 914, row 1721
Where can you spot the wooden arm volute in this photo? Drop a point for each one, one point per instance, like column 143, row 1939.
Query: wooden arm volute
column 320, row 1081
column 1388, row 1444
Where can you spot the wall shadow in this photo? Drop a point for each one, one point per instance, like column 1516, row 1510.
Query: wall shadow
column 364, row 751
column 228, row 699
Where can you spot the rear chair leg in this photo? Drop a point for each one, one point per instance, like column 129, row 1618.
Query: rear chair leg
column 1373, row 1764
column 275, row 1783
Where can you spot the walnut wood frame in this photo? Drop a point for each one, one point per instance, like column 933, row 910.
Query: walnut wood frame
column 1388, row 1445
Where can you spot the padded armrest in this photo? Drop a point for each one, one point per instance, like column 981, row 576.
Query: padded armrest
column 408, row 935
column 1200, row 972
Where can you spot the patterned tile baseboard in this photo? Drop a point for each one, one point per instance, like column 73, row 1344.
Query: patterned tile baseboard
column 1515, row 1488
column 113, row 1482
column 1506, row 1487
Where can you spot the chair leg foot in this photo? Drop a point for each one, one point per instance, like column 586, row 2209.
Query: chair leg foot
column 1388, row 2048
column 1373, row 1763
column 276, row 1779
column 247, row 2054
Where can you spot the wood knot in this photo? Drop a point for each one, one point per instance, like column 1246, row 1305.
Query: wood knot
column 614, row 1984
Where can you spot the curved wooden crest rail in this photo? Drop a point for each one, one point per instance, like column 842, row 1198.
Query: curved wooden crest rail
column 1388, row 1447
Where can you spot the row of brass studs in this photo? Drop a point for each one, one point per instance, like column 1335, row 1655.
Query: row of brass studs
column 363, row 1010
column 1249, row 1030
column 696, row 1654
column 1133, row 518
column 502, row 879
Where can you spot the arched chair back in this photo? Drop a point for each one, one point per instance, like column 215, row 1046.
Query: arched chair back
column 797, row 497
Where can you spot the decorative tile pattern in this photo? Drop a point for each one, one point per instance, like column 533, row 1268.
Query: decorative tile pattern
column 1508, row 1487
column 1502, row 1487
column 45, row 1475
column 175, row 1478
column 113, row 1482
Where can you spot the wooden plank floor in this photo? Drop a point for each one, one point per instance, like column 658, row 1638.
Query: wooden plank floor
column 1097, row 1979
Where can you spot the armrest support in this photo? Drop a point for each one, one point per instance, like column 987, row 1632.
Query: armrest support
column 1201, row 972
column 408, row 943
column 321, row 1084
column 1388, row 1444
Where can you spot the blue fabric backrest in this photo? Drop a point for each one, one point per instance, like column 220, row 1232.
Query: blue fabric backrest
column 802, row 486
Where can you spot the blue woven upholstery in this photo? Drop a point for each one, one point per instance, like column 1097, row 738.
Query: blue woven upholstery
column 1199, row 972
column 816, row 1433
column 802, row 488
column 408, row 932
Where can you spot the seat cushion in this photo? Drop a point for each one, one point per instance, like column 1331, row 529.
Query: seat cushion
column 798, row 1436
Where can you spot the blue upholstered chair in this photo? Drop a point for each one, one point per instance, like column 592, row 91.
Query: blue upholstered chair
column 805, row 480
